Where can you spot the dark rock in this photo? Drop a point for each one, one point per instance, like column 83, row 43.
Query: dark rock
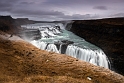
column 108, row 34
column 64, row 44
column 67, row 42
column 7, row 24
column 57, row 27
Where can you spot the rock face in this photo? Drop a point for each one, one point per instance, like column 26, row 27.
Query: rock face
column 108, row 34
column 7, row 24
column 22, row 62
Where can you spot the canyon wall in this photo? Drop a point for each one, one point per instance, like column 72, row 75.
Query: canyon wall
column 108, row 34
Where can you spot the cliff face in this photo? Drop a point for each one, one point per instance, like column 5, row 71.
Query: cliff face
column 7, row 24
column 108, row 34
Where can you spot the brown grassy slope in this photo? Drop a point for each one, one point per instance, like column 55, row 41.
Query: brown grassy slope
column 21, row 62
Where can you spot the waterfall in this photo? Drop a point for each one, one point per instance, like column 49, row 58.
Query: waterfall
column 49, row 32
column 57, row 40
column 96, row 57
column 45, row 46
column 60, row 48
column 52, row 47
column 40, row 45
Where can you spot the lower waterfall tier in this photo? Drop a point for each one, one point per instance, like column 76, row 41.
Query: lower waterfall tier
column 96, row 57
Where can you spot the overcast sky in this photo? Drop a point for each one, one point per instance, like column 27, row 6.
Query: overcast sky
column 62, row 9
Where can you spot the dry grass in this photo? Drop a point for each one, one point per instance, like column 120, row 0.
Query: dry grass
column 21, row 62
column 41, row 79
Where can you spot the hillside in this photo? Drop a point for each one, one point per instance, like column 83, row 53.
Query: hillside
column 21, row 62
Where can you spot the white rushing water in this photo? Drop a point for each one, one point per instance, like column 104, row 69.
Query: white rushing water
column 96, row 57
column 57, row 40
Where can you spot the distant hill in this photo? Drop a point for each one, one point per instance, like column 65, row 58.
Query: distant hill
column 23, row 21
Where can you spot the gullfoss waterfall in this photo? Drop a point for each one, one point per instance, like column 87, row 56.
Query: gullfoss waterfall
column 55, row 38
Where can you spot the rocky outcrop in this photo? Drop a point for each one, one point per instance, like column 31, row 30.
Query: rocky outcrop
column 63, row 45
column 108, row 34
column 22, row 62
column 7, row 24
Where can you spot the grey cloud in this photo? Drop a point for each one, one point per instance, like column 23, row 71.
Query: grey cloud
column 100, row 7
column 57, row 9
column 6, row 5
column 37, row 12
column 72, row 17
column 71, row 1
column 51, row 15
column 117, row 15
column 82, row 2
column 79, row 16
column 27, row 3
column 6, row 8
